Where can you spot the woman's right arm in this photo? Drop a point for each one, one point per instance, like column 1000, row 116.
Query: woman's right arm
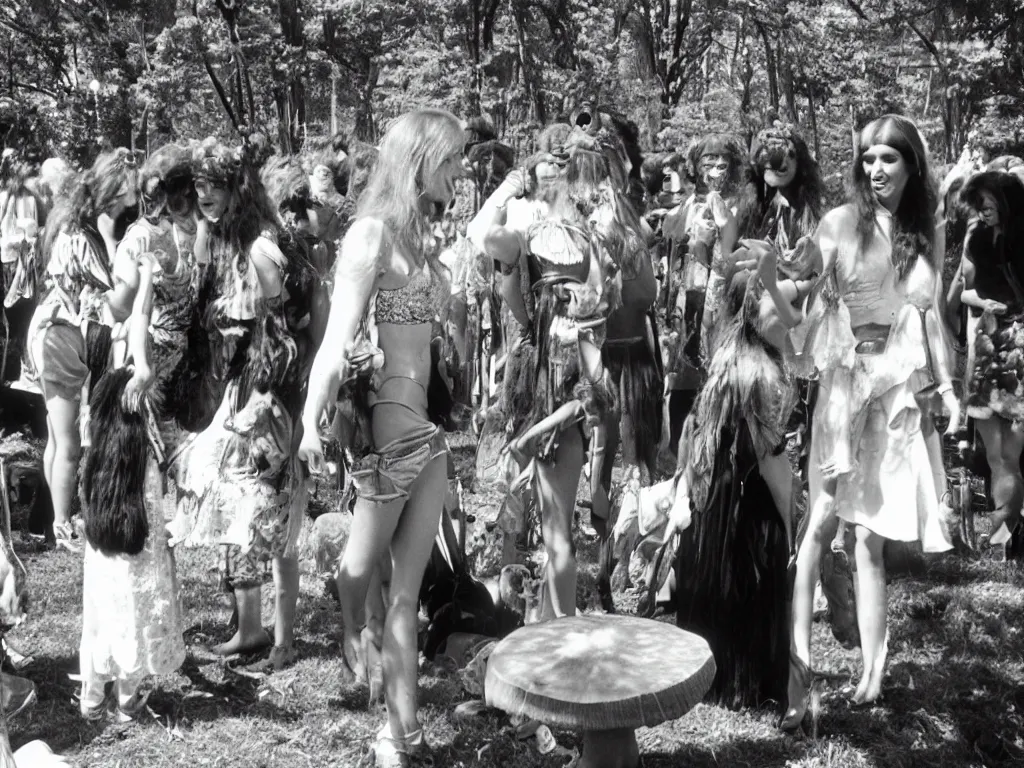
column 358, row 268
column 487, row 230
column 511, row 291
column 121, row 296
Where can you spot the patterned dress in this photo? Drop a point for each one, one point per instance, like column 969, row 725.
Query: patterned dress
column 132, row 619
column 241, row 487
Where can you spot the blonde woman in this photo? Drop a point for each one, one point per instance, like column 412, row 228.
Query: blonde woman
column 389, row 258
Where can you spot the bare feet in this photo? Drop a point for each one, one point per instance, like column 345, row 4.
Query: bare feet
column 239, row 644
column 374, row 664
column 353, row 654
column 799, row 693
column 869, row 689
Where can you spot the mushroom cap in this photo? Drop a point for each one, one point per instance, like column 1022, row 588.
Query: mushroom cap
column 599, row 673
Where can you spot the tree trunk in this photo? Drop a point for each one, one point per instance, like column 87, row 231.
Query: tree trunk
column 786, row 78
column 290, row 95
column 769, row 57
column 812, row 112
column 365, row 130
column 531, row 80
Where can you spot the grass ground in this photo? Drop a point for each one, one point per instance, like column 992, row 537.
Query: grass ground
column 954, row 696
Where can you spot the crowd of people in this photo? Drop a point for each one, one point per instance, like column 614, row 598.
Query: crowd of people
column 212, row 324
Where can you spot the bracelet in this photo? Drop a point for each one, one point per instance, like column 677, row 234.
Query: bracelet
column 944, row 388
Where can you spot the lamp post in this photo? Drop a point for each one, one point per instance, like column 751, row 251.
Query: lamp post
column 94, row 86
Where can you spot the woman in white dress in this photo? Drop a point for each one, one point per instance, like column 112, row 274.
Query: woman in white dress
column 879, row 348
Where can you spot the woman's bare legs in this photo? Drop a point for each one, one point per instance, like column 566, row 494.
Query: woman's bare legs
column 777, row 473
column 410, row 551
column 373, row 634
column 601, row 520
column 871, row 613
column 557, row 482
column 1003, row 448
column 60, row 459
column 370, row 536
column 821, row 527
column 286, row 599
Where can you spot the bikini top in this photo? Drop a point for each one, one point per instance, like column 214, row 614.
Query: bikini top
column 418, row 301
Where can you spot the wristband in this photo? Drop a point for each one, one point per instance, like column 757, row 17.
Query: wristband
column 944, row 388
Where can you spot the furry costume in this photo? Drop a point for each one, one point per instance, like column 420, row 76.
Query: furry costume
column 731, row 566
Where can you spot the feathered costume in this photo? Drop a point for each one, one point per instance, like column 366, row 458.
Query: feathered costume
column 731, row 566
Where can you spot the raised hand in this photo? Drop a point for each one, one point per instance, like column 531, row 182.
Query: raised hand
column 137, row 386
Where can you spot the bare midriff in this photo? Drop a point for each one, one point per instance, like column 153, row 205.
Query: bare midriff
column 403, row 379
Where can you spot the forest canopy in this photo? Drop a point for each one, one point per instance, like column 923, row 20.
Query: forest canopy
column 81, row 74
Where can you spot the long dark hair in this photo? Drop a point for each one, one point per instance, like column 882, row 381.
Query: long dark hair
column 249, row 212
column 114, row 471
column 914, row 218
column 91, row 193
column 985, row 250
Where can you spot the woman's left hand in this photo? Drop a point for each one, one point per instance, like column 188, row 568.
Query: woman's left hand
column 681, row 515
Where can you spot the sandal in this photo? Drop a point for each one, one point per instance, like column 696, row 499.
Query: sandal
column 410, row 752
column 65, row 538
column 800, row 673
column 92, row 712
column 135, row 707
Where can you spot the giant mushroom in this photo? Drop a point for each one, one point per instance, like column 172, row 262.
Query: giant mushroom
column 603, row 675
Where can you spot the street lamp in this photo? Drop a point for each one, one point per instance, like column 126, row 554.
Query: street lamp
column 94, row 86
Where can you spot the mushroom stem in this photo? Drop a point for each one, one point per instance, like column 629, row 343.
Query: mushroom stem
column 610, row 749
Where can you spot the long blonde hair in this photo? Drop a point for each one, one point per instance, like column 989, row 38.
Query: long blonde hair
column 413, row 149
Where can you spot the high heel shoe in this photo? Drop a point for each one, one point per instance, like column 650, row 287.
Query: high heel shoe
column 800, row 675
column 409, row 752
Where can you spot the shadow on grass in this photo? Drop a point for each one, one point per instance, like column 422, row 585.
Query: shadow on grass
column 955, row 669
